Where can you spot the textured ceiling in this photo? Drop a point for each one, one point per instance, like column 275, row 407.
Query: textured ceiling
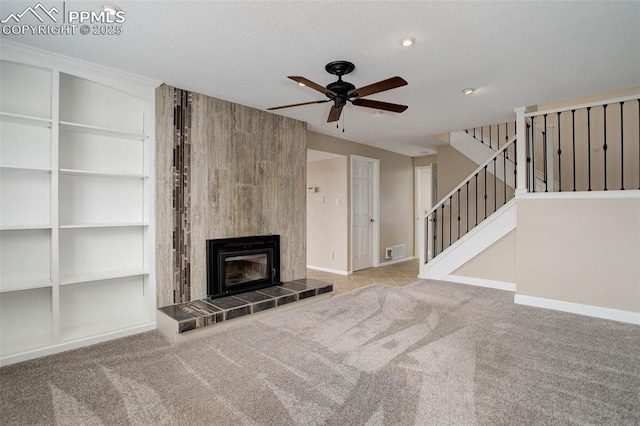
column 515, row 53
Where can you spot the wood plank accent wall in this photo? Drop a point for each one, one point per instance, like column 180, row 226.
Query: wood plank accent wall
column 247, row 177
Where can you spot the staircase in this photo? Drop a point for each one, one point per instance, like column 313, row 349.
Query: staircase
column 473, row 216
column 570, row 149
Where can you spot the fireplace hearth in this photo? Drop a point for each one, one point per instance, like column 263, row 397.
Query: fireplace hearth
column 243, row 280
column 238, row 265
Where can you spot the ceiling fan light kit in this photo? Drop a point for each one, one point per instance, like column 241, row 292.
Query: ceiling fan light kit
column 341, row 92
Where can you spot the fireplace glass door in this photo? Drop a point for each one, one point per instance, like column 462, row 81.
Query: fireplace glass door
column 243, row 269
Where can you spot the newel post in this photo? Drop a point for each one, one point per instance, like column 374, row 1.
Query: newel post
column 521, row 157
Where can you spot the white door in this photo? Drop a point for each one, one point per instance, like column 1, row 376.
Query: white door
column 362, row 220
column 423, row 201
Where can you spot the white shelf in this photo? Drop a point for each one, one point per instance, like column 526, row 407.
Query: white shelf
column 75, row 172
column 104, row 225
column 25, row 119
column 29, row 169
column 27, row 227
column 101, row 276
column 26, row 197
column 76, row 234
column 24, row 285
column 95, row 130
column 25, row 320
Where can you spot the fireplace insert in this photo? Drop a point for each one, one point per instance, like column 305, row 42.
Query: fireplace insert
column 236, row 265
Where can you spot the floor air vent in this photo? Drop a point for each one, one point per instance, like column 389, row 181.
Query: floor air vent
column 396, row 252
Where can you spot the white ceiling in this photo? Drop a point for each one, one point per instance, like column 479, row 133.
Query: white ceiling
column 516, row 53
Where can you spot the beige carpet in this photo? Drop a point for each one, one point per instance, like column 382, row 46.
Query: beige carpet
column 427, row 353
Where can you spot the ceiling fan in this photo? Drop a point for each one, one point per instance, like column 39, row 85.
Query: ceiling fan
column 341, row 92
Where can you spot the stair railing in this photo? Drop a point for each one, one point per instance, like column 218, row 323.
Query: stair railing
column 588, row 147
column 493, row 135
column 468, row 204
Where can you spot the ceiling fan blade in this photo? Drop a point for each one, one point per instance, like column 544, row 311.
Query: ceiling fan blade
column 368, row 103
column 300, row 104
column 311, row 84
column 381, row 86
column 334, row 114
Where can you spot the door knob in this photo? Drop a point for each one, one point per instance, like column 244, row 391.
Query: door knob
column 371, row 220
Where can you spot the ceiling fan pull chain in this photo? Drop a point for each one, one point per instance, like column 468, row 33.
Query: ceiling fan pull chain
column 343, row 115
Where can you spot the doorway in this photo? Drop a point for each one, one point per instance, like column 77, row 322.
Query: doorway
column 327, row 212
column 365, row 208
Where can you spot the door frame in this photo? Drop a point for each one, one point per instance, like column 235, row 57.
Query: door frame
column 376, row 209
column 419, row 212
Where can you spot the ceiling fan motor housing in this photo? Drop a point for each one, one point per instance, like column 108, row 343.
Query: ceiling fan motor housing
column 341, row 89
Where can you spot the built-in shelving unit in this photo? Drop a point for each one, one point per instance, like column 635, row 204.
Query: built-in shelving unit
column 76, row 234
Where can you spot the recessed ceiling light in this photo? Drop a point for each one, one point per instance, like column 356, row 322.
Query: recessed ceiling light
column 425, row 152
column 378, row 112
column 468, row 91
column 301, row 84
column 408, row 41
column 110, row 8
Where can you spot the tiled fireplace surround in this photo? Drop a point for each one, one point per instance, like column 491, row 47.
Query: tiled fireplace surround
column 225, row 170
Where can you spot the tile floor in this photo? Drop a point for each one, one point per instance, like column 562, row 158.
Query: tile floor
column 399, row 274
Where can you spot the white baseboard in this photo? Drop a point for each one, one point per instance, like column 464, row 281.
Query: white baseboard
column 577, row 308
column 481, row 282
column 332, row 271
column 393, row 262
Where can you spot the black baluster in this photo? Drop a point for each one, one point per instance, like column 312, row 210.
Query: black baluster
column 589, row 146
column 474, row 133
column 504, row 176
column 573, row 133
column 604, row 146
column 498, row 136
column 485, row 191
column 467, row 218
column 450, row 224
column 559, row 155
column 527, row 155
column 458, row 213
column 476, row 209
column 515, row 164
column 495, row 179
column 622, row 146
column 544, row 156
column 442, row 229
column 533, row 156
column 482, row 134
column 506, row 137
column 434, row 230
